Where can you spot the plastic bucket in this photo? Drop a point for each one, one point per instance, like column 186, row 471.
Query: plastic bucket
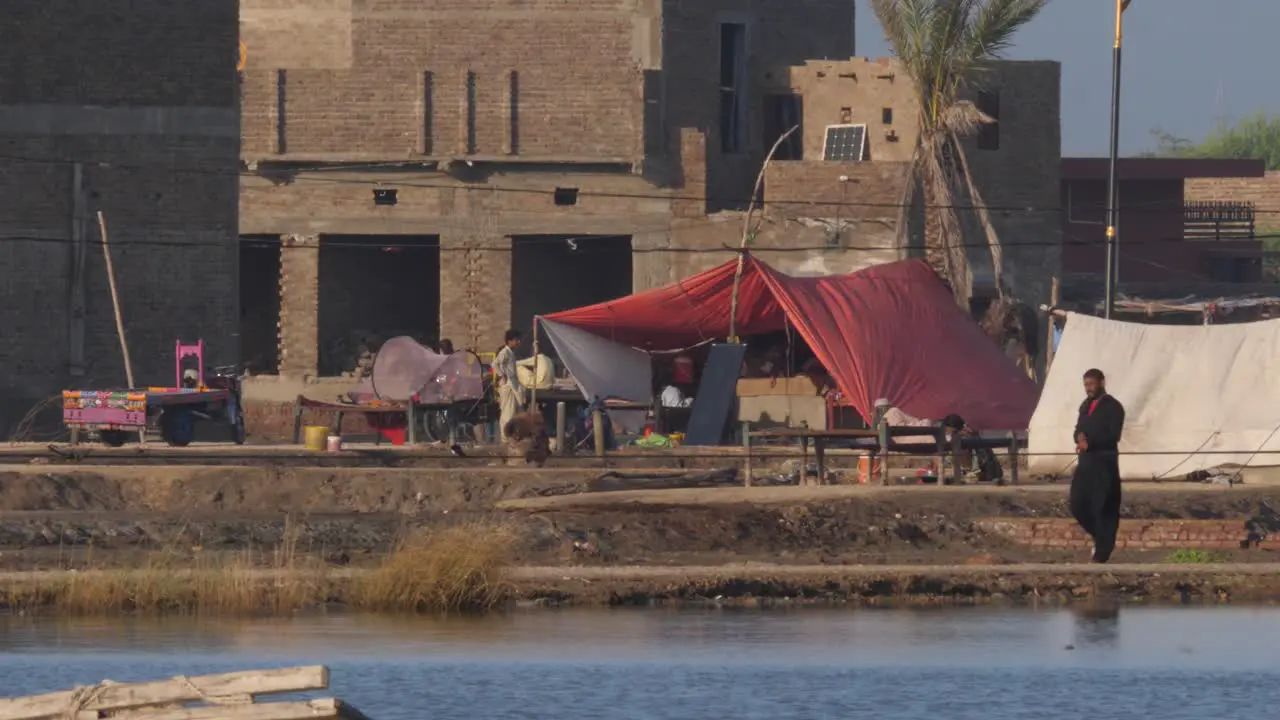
column 316, row 437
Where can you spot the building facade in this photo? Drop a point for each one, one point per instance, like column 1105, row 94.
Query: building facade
column 1014, row 160
column 128, row 108
column 1176, row 232
column 451, row 169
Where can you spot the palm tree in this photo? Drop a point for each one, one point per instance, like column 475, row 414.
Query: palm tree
column 947, row 47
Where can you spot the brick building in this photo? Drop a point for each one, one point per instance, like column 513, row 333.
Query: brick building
column 1177, row 233
column 451, row 169
column 1014, row 161
column 129, row 108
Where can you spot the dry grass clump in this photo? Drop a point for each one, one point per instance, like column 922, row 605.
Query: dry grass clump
column 243, row 583
column 457, row 569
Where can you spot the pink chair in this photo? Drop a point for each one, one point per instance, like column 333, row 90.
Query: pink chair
column 185, row 351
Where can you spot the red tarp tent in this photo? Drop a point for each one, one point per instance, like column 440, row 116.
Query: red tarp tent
column 891, row 331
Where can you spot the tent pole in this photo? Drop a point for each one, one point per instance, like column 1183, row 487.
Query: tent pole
column 747, row 231
column 533, row 391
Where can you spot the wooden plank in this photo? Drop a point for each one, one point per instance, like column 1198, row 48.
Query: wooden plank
column 164, row 692
column 322, row 709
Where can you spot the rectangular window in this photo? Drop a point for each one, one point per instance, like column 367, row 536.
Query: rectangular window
column 781, row 113
column 989, row 133
column 886, row 116
column 733, row 71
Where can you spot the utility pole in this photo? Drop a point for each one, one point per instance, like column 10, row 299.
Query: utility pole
column 1113, row 186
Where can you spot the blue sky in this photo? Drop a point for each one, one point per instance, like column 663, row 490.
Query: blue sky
column 1178, row 54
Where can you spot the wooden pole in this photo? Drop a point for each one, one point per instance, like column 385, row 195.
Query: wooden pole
column 560, row 429
column 115, row 300
column 746, row 448
column 1055, row 298
column 746, row 235
column 1013, row 458
column 882, row 439
column 597, row 431
column 533, row 390
column 957, row 449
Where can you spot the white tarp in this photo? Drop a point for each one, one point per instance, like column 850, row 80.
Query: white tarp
column 1198, row 396
column 603, row 368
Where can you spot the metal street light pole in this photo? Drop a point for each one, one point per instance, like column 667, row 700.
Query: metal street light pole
column 1113, row 186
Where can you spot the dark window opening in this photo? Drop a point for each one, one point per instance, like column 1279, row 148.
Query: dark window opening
column 384, row 196
column 886, row 116
column 260, row 303
column 374, row 288
column 733, row 70
column 566, row 196
column 599, row 265
column 989, row 133
column 781, row 113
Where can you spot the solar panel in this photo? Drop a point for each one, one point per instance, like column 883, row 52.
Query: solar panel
column 844, row 143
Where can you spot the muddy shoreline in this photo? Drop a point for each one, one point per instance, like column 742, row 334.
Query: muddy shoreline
column 588, row 538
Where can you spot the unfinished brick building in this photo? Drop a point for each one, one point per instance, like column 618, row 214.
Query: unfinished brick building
column 129, row 108
column 451, row 169
column 1014, row 161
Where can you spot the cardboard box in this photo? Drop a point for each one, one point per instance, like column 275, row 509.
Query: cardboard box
column 771, row 411
column 762, row 387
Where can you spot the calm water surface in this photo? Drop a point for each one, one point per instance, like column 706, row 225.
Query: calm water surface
column 890, row 665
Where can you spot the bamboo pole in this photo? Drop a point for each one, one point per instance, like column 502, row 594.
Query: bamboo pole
column 746, row 235
column 533, row 389
column 115, row 300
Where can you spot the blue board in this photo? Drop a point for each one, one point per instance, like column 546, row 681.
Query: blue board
column 717, row 393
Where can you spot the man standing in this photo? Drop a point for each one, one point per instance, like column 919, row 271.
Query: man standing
column 1095, row 487
column 510, row 392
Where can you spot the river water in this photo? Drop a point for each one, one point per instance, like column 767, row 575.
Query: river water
column 951, row 664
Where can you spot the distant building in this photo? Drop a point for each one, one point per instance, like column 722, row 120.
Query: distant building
column 1172, row 243
column 1014, row 160
column 450, row 170
column 127, row 107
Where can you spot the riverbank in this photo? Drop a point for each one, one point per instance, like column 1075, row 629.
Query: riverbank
column 272, row 538
column 286, row 591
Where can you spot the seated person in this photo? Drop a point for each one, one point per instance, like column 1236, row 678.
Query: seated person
column 818, row 375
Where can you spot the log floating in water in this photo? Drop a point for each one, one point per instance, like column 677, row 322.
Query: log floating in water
column 227, row 696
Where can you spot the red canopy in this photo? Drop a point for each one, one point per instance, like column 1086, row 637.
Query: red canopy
column 891, row 331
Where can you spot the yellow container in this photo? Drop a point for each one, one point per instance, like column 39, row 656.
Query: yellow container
column 316, row 437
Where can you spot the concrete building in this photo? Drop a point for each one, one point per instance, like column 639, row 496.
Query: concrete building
column 453, row 168
column 1177, row 233
column 1014, row 161
column 128, row 108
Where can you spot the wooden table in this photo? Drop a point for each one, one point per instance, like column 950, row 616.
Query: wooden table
column 880, row 443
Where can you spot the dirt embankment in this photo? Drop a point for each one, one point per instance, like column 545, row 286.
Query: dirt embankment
column 349, row 516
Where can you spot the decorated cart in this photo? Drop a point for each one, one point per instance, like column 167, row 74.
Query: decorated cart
column 115, row 415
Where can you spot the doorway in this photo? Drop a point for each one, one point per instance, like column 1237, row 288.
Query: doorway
column 373, row 288
column 550, row 273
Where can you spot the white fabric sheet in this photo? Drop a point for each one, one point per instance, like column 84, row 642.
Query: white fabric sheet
column 603, row 368
column 1190, row 392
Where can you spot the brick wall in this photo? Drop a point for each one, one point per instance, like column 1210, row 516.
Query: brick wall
column 1263, row 192
column 871, row 191
column 142, row 94
column 437, row 80
column 780, row 33
column 1134, row 534
column 1019, row 180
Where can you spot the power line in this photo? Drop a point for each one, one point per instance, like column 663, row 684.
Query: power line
column 250, row 241
column 294, row 175
column 376, row 244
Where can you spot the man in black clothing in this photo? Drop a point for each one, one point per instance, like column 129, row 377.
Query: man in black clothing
column 1095, row 487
